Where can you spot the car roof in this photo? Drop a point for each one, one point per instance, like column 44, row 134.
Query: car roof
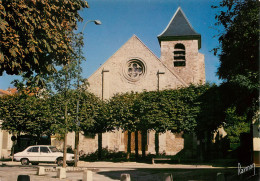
column 39, row 145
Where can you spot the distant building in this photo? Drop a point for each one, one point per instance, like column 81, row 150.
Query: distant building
column 134, row 67
column 5, row 137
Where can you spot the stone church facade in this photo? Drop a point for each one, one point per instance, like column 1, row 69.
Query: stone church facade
column 134, row 67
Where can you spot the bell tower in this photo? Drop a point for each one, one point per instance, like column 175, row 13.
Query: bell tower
column 180, row 45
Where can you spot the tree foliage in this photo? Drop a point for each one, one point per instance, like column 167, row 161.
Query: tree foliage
column 212, row 111
column 90, row 114
column 102, row 121
column 195, row 108
column 123, row 111
column 235, row 125
column 239, row 53
column 26, row 113
column 150, row 113
column 36, row 35
column 88, row 105
column 175, row 110
column 185, row 107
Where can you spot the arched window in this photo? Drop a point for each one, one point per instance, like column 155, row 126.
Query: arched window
column 179, row 55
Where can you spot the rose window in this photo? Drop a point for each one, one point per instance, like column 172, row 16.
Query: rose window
column 134, row 70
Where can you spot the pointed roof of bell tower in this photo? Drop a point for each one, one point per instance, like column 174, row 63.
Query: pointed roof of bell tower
column 179, row 28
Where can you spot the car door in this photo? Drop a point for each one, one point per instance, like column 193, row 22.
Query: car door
column 45, row 154
column 33, row 153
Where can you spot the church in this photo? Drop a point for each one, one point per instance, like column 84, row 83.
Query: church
column 134, row 67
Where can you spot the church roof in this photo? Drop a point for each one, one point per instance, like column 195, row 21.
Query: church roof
column 179, row 28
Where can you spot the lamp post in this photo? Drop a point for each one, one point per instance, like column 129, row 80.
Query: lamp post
column 97, row 22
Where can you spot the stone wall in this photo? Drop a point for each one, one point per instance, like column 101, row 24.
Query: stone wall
column 5, row 143
column 194, row 71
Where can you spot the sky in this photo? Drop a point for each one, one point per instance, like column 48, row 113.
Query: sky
column 121, row 19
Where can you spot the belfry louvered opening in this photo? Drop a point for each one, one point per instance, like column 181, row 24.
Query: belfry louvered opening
column 179, row 55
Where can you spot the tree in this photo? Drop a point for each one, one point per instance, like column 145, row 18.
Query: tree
column 184, row 108
column 26, row 113
column 88, row 111
column 168, row 110
column 123, row 115
column 239, row 57
column 235, row 125
column 36, row 34
column 149, row 109
column 88, row 107
column 102, row 122
column 63, row 82
column 239, row 53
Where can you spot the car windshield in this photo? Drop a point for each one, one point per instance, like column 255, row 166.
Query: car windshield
column 54, row 149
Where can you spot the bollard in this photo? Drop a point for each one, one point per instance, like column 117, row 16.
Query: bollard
column 125, row 177
column 23, row 178
column 41, row 171
column 61, row 173
column 87, row 175
column 221, row 177
column 166, row 177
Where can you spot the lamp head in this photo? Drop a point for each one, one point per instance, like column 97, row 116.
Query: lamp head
column 97, row 22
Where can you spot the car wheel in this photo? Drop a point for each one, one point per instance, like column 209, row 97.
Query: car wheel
column 60, row 162
column 24, row 161
column 35, row 163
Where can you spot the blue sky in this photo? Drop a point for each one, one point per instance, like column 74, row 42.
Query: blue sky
column 121, row 19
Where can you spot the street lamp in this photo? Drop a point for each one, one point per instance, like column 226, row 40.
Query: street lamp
column 97, row 22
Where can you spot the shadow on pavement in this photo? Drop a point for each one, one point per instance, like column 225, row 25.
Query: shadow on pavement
column 183, row 174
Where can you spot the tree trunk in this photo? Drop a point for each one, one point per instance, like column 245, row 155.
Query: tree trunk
column 99, row 146
column 128, row 145
column 12, row 150
column 76, row 151
column 76, row 148
column 136, row 146
column 64, row 150
column 65, row 137
column 251, row 144
column 156, row 143
column 19, row 141
column 144, row 142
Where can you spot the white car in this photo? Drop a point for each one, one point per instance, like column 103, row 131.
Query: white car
column 43, row 154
